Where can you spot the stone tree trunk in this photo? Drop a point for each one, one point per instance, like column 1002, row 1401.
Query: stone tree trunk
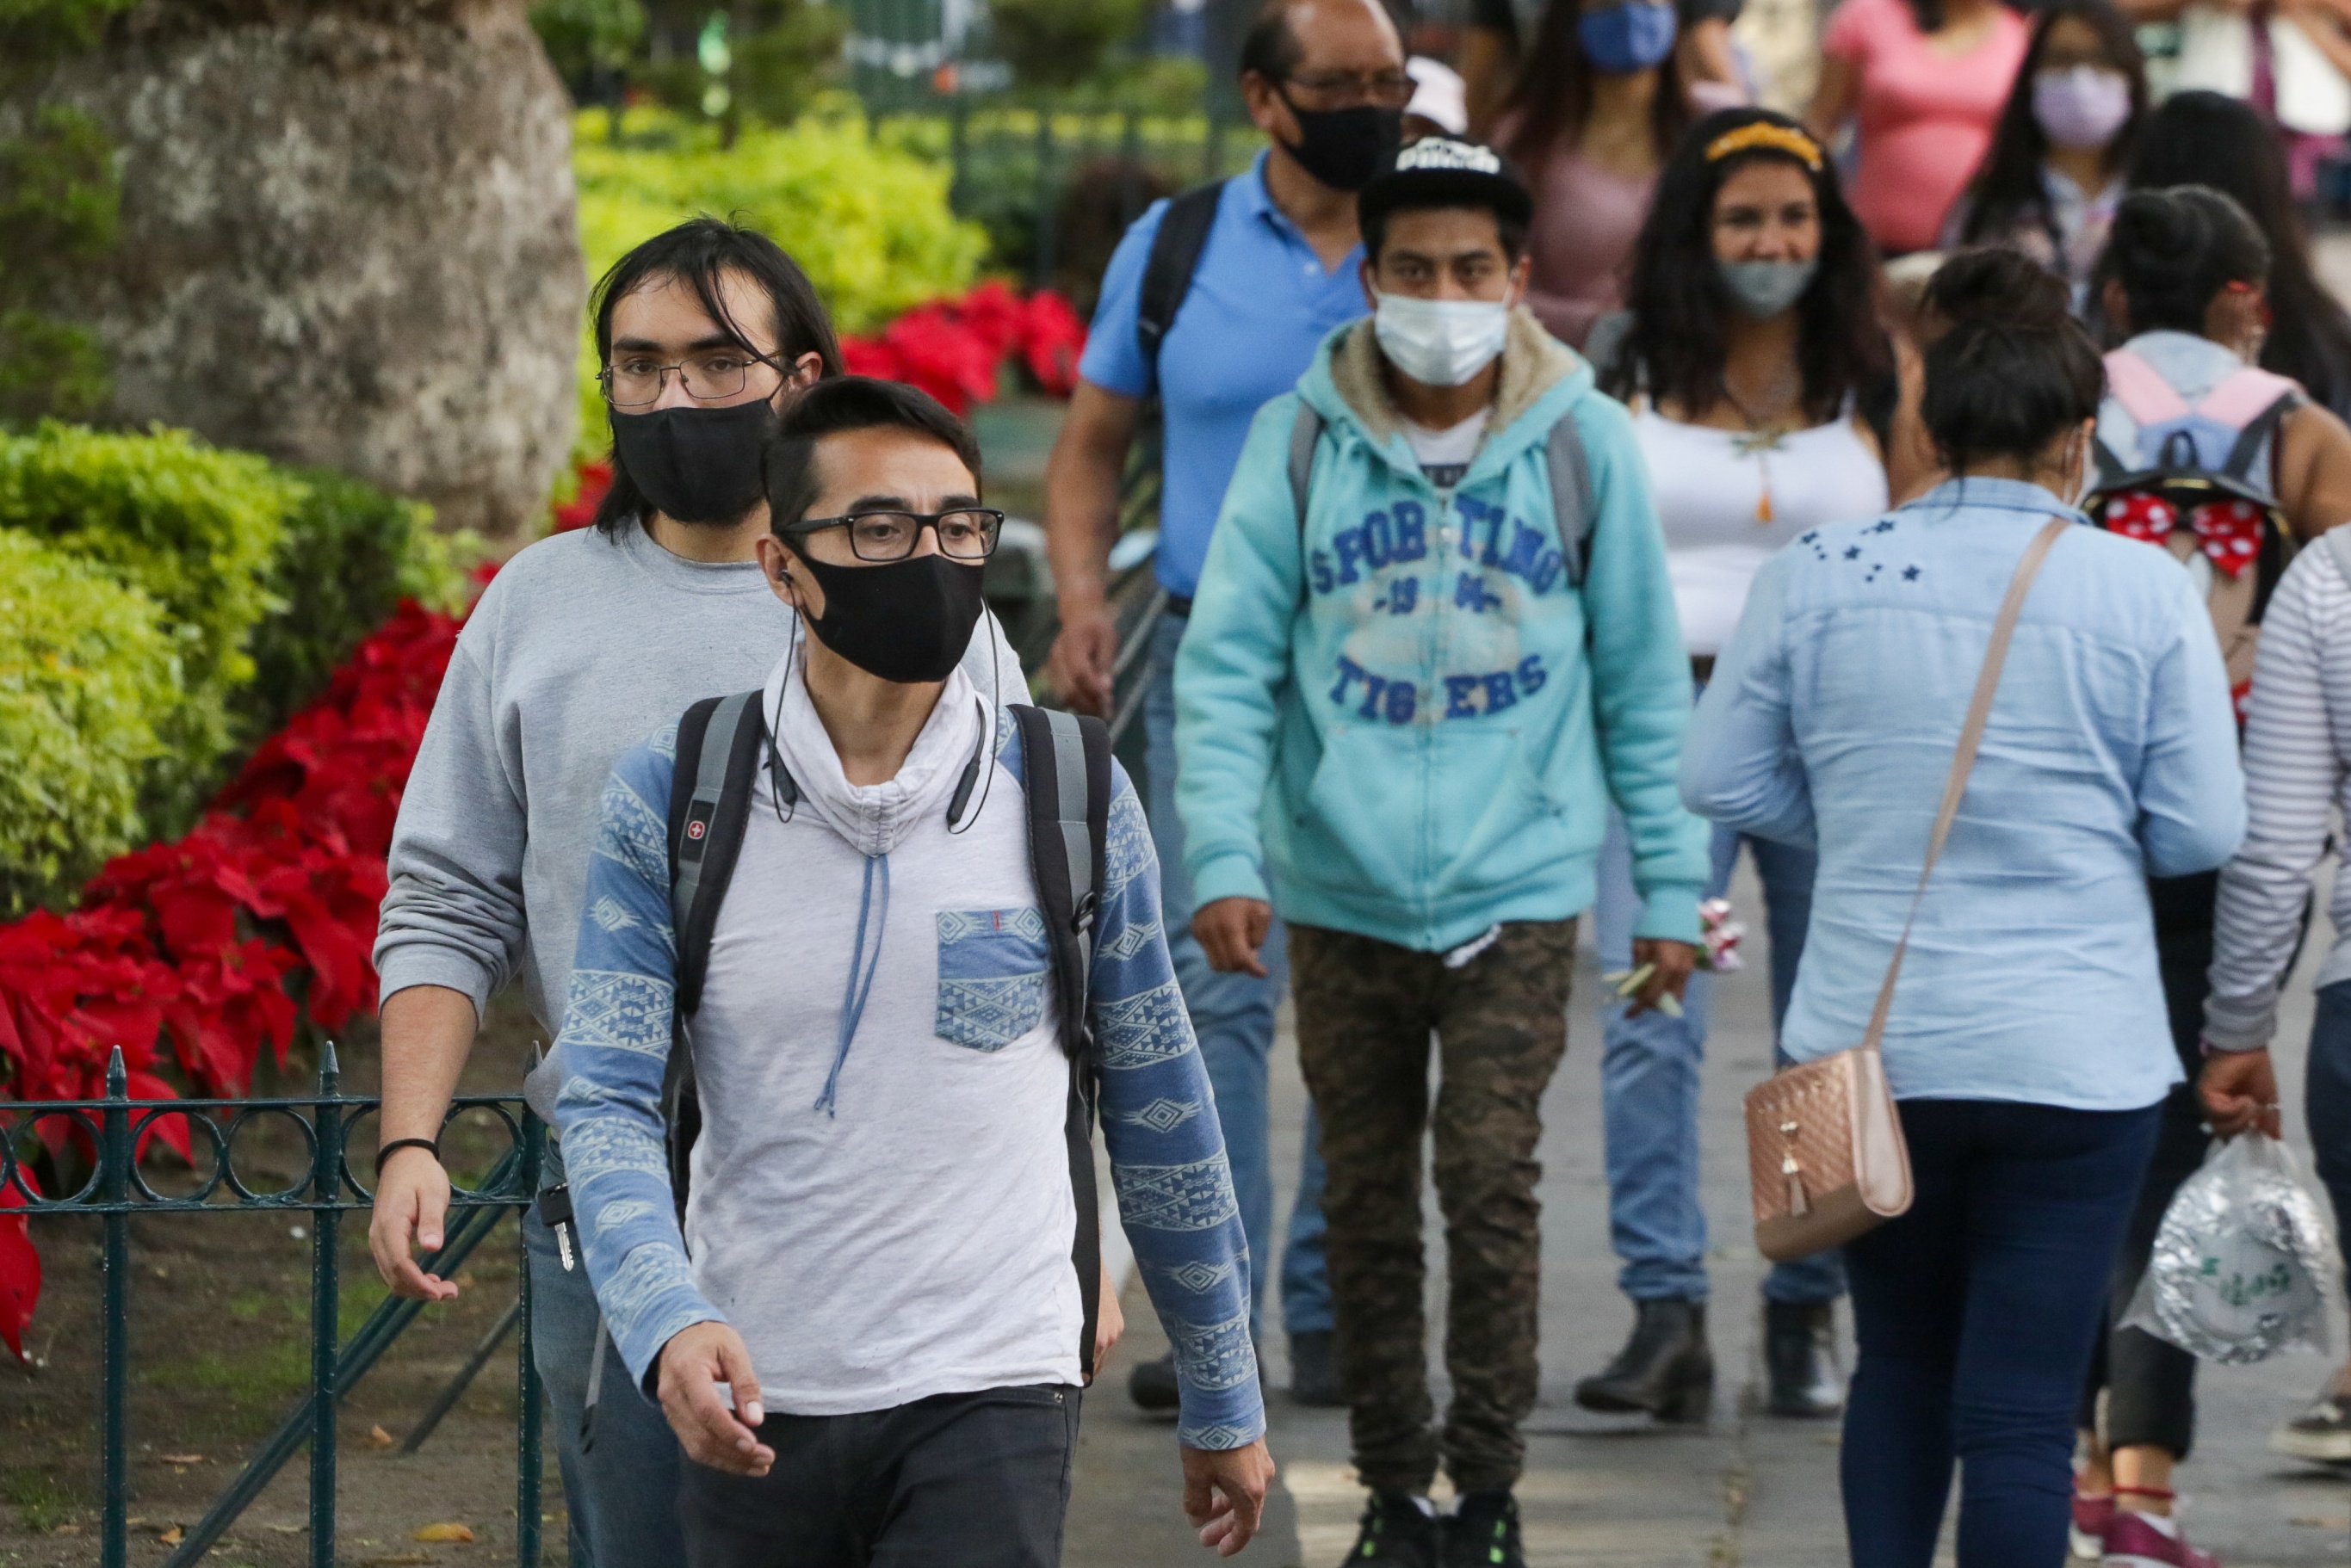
column 347, row 238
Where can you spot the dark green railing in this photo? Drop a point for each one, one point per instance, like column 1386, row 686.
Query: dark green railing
column 113, row 1129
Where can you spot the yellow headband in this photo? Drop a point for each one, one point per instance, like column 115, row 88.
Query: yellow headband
column 1763, row 133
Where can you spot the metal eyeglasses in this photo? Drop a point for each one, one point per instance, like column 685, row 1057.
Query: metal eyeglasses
column 636, row 379
column 966, row 534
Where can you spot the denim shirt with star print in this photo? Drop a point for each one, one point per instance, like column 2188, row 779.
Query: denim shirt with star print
column 2111, row 757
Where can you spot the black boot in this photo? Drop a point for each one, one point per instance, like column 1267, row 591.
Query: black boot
column 1666, row 1367
column 1398, row 1532
column 1152, row 1385
column 1313, row 1369
column 1800, row 1354
column 1484, row 1532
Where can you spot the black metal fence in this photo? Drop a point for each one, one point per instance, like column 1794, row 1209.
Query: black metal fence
column 111, row 1132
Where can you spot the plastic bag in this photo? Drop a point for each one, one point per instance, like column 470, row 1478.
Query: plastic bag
column 2244, row 1264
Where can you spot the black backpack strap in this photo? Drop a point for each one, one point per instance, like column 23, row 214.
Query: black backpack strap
column 1065, row 767
column 718, row 744
column 1175, row 257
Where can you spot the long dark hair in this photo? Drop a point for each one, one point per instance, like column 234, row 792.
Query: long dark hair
column 1674, row 349
column 2174, row 250
column 1552, row 97
column 698, row 253
column 2013, row 369
column 2007, row 185
column 2207, row 139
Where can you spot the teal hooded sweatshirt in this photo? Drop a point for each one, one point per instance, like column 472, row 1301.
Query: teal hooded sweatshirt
column 1407, row 723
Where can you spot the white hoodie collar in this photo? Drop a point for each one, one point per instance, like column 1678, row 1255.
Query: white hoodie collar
column 874, row 818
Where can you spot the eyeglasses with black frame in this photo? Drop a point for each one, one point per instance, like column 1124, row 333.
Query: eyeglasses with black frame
column 635, row 379
column 966, row 534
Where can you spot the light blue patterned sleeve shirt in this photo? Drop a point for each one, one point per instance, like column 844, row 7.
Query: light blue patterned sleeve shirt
column 1159, row 1113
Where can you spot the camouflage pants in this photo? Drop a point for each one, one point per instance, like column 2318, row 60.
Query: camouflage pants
column 1365, row 1012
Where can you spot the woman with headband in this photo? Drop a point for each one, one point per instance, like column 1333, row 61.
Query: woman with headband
column 1766, row 401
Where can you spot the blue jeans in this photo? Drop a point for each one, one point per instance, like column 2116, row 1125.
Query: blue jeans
column 2018, row 1213
column 1232, row 1016
column 1649, row 1069
column 623, row 1491
column 2327, row 1097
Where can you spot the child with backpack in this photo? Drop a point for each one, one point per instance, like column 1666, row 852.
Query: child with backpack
column 2230, row 468
column 861, row 954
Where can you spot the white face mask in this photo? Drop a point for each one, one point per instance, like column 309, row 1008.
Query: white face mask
column 1440, row 342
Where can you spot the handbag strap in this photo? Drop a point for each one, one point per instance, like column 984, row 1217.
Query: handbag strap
column 1963, row 762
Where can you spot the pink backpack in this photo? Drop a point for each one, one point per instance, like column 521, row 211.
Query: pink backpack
column 2191, row 486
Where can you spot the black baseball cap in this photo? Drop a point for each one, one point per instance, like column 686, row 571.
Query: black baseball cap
column 1447, row 171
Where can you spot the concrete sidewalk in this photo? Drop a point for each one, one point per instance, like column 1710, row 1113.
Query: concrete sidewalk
column 1748, row 1491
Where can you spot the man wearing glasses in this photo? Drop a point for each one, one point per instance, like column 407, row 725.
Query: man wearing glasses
column 580, row 647
column 866, row 1332
column 1326, row 80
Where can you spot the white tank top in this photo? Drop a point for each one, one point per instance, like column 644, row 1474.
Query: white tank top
column 1727, row 501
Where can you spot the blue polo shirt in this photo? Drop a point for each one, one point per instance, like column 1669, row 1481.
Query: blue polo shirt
column 1259, row 306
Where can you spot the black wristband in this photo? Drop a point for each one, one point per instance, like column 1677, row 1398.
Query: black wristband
column 400, row 1143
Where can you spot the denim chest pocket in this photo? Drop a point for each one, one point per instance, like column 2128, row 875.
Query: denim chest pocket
column 994, row 969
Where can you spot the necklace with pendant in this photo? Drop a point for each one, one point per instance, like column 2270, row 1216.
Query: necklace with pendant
column 1763, row 437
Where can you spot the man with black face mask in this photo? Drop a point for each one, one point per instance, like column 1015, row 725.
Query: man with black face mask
column 1277, row 252
column 866, row 1330
column 581, row 646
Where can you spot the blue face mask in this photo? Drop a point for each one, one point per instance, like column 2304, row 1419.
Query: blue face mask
column 1632, row 36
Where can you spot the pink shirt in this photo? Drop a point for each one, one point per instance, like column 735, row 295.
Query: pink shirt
column 1925, row 118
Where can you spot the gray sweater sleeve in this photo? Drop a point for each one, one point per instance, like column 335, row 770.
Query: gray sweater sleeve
column 452, row 915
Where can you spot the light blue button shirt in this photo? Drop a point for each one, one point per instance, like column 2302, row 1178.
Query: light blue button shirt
column 2111, row 757
column 1261, row 302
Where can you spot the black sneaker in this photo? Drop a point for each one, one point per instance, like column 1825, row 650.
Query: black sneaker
column 1398, row 1532
column 1152, row 1385
column 1314, row 1369
column 2321, row 1433
column 1484, row 1532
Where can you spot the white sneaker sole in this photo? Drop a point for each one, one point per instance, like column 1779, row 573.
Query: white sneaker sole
column 2085, row 1548
column 2133, row 1559
column 2334, row 1447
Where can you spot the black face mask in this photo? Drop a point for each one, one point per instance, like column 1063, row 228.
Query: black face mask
column 697, row 465
column 1346, row 148
column 909, row 621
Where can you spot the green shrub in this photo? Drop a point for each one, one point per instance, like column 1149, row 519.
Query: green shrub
column 192, row 527
column 347, row 554
column 87, row 680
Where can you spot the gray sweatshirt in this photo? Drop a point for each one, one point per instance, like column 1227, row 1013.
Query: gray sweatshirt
column 582, row 647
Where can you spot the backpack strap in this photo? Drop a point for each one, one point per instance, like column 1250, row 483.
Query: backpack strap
column 718, row 744
column 2140, row 387
column 1066, row 775
column 1571, row 506
column 2257, row 431
column 1175, row 257
column 2244, row 396
column 1305, row 435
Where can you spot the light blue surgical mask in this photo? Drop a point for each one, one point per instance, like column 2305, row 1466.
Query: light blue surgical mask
column 1762, row 289
column 1631, row 36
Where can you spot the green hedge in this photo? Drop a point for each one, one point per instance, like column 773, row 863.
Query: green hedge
column 261, row 579
column 194, row 528
column 88, row 677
